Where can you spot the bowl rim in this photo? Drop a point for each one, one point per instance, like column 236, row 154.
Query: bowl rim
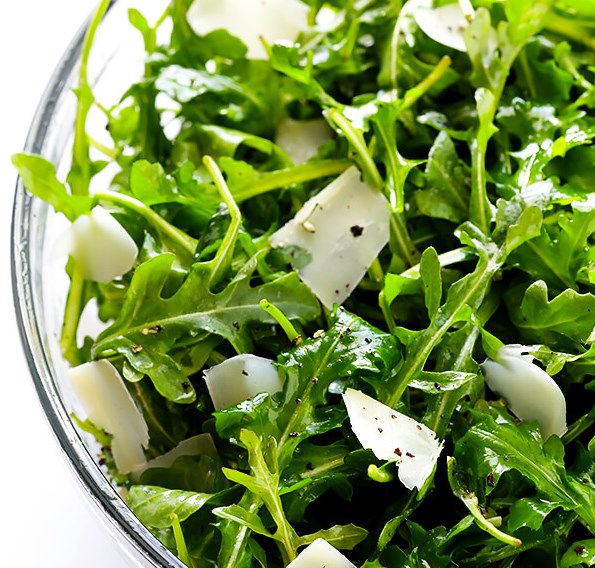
column 104, row 496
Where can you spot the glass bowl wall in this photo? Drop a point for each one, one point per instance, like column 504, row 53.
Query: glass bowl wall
column 39, row 280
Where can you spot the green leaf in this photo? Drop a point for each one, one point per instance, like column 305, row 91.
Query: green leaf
column 568, row 316
column 154, row 505
column 431, row 276
column 238, row 514
column 384, row 123
column 350, row 350
column 490, row 448
column 442, row 381
column 446, row 193
column 558, row 252
column 580, row 553
column 39, row 177
column 530, row 512
column 526, row 228
column 193, row 307
column 343, row 537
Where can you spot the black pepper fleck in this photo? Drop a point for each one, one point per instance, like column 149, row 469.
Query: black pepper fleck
column 357, row 230
column 409, row 455
column 294, row 434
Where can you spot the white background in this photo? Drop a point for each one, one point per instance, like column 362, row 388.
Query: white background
column 45, row 520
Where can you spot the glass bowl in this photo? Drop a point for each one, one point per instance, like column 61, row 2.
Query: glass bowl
column 39, row 282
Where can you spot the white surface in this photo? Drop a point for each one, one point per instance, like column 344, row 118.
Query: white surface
column 46, row 520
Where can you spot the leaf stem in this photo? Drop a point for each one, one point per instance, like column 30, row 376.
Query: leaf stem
column 109, row 152
column 72, row 315
column 401, row 240
column 181, row 239
column 356, row 139
column 277, row 179
column 282, row 320
column 413, row 95
column 469, row 499
column 80, row 149
column 180, row 540
column 224, row 255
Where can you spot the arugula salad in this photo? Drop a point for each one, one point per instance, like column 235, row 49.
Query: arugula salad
column 345, row 271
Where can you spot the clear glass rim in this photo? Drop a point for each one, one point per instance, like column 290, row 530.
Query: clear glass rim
column 102, row 493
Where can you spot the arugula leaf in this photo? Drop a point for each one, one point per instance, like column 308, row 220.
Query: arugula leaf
column 39, row 177
column 490, row 448
column 446, row 195
column 154, row 505
column 193, row 307
column 566, row 318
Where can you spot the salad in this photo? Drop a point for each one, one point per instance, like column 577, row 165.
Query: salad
column 345, row 274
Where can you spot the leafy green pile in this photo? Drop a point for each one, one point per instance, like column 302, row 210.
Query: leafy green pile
column 486, row 158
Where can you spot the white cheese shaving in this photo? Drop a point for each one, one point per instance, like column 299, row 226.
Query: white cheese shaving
column 300, row 139
column 108, row 404
column 343, row 228
column 240, row 378
column 320, row 554
column 393, row 436
column 200, row 445
column 529, row 391
column 250, row 20
column 102, row 246
column 445, row 24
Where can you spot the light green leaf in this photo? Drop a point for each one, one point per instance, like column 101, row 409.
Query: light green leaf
column 431, row 276
column 238, row 514
column 154, row 505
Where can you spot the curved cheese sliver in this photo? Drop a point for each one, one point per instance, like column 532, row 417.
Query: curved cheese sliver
column 108, row 404
column 393, row 436
column 250, row 20
column 529, row 391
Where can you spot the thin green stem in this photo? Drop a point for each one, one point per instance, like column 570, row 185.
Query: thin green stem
column 413, row 95
column 180, row 540
column 470, row 501
column 356, row 139
column 570, row 30
column 80, row 150
column 178, row 237
column 446, row 259
column 72, row 315
column 281, row 319
column 375, row 271
column 278, row 179
column 404, row 246
column 109, row 152
column 224, row 255
column 577, row 428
